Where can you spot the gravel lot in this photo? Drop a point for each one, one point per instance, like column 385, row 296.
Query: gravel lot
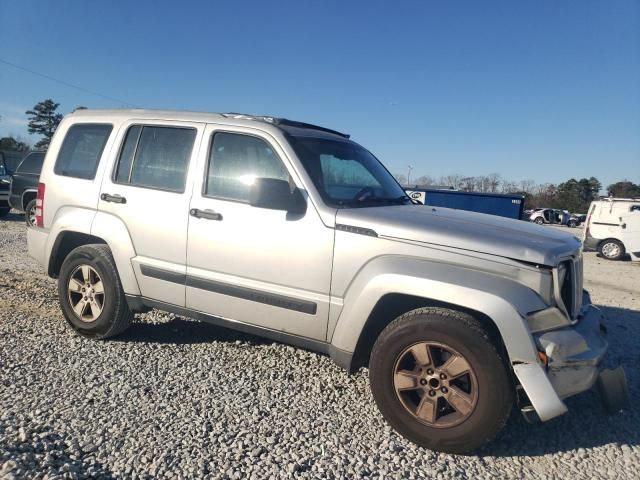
column 177, row 398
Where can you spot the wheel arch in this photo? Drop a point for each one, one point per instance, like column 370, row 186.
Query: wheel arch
column 66, row 241
column 391, row 286
column 392, row 305
column 104, row 229
column 27, row 196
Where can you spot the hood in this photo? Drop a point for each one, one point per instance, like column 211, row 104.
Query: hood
column 478, row 232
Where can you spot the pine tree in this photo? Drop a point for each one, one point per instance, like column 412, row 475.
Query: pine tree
column 44, row 120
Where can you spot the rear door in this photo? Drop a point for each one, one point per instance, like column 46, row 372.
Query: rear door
column 149, row 189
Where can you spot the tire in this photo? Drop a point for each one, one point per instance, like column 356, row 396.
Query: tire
column 539, row 221
column 4, row 211
column 30, row 213
column 611, row 249
column 110, row 315
column 490, row 392
column 572, row 224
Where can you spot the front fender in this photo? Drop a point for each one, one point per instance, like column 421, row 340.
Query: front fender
column 501, row 299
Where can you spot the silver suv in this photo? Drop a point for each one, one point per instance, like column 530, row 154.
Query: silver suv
column 294, row 232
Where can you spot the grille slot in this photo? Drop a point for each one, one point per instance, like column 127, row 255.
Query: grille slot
column 570, row 292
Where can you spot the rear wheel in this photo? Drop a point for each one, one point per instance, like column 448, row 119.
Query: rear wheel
column 30, row 213
column 91, row 294
column 572, row 223
column 611, row 249
column 439, row 380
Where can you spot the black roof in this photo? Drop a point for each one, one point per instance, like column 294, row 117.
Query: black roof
column 292, row 127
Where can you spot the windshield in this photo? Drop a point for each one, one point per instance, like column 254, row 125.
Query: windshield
column 347, row 175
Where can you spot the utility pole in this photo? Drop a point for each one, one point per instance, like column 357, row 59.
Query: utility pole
column 409, row 176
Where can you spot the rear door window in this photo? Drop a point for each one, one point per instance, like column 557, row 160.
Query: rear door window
column 81, row 150
column 32, row 163
column 155, row 157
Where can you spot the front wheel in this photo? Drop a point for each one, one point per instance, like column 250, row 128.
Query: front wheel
column 4, row 211
column 539, row 221
column 91, row 295
column 440, row 381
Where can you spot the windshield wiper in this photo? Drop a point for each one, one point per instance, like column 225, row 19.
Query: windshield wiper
column 370, row 201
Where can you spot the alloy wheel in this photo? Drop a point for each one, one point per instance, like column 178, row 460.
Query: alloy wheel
column 86, row 293
column 31, row 215
column 435, row 384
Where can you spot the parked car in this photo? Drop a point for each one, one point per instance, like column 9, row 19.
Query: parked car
column 5, row 182
column 24, row 186
column 297, row 233
column 553, row 216
column 612, row 228
column 9, row 160
column 576, row 219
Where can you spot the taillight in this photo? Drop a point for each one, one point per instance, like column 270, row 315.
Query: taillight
column 40, row 206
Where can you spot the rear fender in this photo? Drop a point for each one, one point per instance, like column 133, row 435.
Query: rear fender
column 114, row 232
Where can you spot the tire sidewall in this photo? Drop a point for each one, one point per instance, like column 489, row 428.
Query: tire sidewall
column 26, row 212
column 492, row 378
column 101, row 325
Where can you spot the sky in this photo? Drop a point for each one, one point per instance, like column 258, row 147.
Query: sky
column 544, row 90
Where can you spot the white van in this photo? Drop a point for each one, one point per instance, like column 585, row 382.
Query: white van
column 613, row 228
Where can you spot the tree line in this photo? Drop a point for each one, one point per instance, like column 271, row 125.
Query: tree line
column 573, row 195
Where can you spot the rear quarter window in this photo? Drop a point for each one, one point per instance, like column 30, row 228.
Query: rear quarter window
column 32, row 163
column 81, row 150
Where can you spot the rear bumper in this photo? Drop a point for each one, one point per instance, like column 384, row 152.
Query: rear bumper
column 575, row 357
column 37, row 244
column 590, row 243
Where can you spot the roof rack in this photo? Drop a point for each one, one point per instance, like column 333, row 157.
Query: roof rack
column 283, row 122
column 620, row 199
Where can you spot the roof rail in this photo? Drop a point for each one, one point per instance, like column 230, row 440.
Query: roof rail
column 620, row 199
column 284, row 122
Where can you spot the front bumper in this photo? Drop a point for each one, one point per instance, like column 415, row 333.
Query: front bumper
column 575, row 354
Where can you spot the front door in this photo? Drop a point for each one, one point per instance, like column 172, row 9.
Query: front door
column 268, row 268
column 149, row 191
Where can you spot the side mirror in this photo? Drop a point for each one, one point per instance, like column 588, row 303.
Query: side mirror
column 276, row 194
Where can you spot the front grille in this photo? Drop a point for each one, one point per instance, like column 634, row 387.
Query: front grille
column 570, row 292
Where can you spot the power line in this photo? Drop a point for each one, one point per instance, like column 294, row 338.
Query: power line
column 67, row 84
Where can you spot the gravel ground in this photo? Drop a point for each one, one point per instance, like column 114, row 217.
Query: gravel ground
column 174, row 398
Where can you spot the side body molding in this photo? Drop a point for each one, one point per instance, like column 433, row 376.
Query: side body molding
column 503, row 300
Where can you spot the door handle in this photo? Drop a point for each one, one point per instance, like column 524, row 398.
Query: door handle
column 206, row 214
column 113, row 198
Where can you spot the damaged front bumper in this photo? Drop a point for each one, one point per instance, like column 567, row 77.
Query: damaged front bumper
column 574, row 356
